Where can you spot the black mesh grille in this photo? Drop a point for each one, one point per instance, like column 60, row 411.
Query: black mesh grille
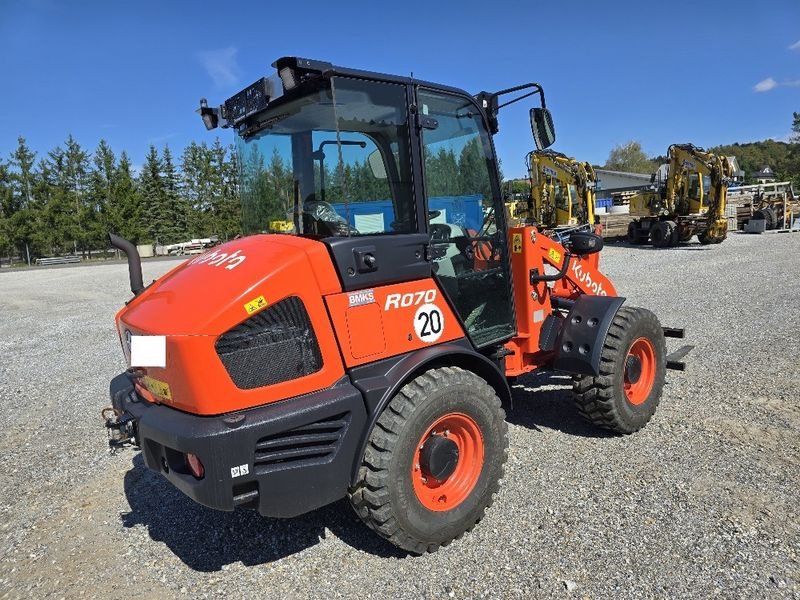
column 275, row 345
column 315, row 442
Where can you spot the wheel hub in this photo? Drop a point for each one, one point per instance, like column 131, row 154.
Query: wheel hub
column 438, row 457
column 633, row 369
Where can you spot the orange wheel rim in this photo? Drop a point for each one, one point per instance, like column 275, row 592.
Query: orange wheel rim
column 640, row 371
column 450, row 491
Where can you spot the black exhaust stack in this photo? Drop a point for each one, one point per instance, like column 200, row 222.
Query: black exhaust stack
column 134, row 262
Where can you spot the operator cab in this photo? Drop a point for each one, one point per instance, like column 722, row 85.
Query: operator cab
column 335, row 155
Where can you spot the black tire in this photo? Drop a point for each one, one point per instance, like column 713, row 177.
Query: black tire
column 706, row 238
column 661, row 234
column 385, row 498
column 634, row 233
column 672, row 228
column 603, row 400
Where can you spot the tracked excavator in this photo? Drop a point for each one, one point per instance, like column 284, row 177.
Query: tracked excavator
column 691, row 201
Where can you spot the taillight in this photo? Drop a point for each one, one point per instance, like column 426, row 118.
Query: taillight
column 195, row 465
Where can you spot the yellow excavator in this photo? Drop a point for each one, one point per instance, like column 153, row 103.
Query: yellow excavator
column 562, row 193
column 690, row 202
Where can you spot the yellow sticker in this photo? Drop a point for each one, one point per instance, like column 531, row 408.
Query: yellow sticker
column 255, row 305
column 554, row 255
column 516, row 243
column 157, row 388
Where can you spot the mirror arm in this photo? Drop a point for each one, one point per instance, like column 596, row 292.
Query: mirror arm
column 489, row 101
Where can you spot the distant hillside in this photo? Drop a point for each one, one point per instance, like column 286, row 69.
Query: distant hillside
column 782, row 157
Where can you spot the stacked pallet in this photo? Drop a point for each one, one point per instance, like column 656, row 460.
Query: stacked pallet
column 615, row 225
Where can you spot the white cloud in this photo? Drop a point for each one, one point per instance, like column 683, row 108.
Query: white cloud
column 770, row 84
column 222, row 66
column 765, row 85
column 795, row 46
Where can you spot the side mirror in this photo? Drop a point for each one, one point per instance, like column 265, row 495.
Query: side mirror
column 584, row 242
column 544, row 134
column 376, row 165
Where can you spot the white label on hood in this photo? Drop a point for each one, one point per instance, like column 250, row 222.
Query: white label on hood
column 148, row 351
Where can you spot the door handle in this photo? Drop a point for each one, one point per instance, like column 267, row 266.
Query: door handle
column 365, row 259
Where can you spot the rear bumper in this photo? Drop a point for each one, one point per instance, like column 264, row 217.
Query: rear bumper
column 284, row 459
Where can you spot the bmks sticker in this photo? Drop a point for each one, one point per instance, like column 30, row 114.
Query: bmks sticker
column 361, row 297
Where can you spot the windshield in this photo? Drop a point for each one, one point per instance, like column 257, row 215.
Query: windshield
column 318, row 167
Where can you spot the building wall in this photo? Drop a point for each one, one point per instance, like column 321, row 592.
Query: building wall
column 611, row 180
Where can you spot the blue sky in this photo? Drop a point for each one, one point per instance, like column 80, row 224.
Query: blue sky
column 708, row 72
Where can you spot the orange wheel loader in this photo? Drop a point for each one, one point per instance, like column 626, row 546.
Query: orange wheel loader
column 366, row 353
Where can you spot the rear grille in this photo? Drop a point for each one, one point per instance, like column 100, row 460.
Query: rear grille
column 315, row 442
column 278, row 344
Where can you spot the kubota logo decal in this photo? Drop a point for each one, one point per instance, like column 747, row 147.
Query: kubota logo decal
column 218, row 259
column 586, row 279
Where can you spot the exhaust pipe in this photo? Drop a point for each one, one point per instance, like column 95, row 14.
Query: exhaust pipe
column 134, row 262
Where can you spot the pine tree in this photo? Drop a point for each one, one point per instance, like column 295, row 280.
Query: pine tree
column 176, row 206
column 23, row 159
column 56, row 205
column 20, row 209
column 75, row 174
column 197, row 188
column 6, row 205
column 156, row 211
column 99, row 196
column 472, row 171
column 125, row 208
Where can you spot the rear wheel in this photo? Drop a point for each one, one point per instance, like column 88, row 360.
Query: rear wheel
column 635, row 233
column 626, row 394
column 434, row 460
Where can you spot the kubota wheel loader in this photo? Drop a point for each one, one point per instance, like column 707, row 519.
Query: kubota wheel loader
column 367, row 353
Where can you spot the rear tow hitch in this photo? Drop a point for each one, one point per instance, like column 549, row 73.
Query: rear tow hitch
column 674, row 358
column 121, row 428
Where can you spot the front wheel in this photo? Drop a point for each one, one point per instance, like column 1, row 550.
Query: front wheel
column 434, row 460
column 661, row 233
column 625, row 395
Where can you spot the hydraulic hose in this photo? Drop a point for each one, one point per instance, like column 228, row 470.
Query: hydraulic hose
column 134, row 262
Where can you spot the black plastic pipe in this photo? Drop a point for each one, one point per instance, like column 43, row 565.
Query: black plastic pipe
column 134, row 262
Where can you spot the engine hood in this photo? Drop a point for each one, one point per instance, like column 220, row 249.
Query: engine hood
column 212, row 292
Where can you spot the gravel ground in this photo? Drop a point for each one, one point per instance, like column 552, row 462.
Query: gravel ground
column 701, row 503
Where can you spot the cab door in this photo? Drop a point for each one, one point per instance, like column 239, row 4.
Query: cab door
column 466, row 215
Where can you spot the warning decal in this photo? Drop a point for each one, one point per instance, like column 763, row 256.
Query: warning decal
column 516, row 243
column 255, row 305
